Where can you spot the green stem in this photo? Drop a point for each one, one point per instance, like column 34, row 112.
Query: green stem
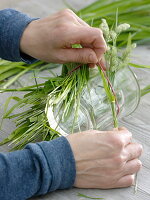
column 114, row 114
column 110, row 96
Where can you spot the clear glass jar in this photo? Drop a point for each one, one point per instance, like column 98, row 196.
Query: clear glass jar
column 95, row 110
column 95, row 100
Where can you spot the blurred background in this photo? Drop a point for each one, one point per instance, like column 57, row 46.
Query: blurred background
column 41, row 8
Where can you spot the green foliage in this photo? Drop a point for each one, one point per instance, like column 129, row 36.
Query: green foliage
column 88, row 197
column 32, row 123
column 10, row 72
column 135, row 12
column 145, row 90
column 139, row 66
column 116, row 59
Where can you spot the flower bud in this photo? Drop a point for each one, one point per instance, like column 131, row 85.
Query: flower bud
column 105, row 28
column 134, row 45
column 113, row 35
column 122, row 27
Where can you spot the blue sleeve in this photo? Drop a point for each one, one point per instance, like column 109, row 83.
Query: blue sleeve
column 12, row 25
column 38, row 169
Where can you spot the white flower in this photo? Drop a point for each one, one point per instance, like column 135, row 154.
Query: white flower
column 134, row 45
column 105, row 28
column 113, row 35
column 114, row 61
column 122, row 27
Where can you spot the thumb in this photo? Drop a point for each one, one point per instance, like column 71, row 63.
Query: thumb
column 80, row 55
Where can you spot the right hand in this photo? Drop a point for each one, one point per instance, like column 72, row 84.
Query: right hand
column 51, row 39
column 105, row 159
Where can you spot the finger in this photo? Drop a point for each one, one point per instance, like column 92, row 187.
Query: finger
column 88, row 36
column 133, row 150
column 125, row 181
column 81, row 55
column 123, row 131
column 102, row 64
column 132, row 167
column 99, row 53
column 99, row 46
column 100, row 56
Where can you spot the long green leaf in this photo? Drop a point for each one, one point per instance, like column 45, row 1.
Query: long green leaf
column 139, row 66
column 88, row 197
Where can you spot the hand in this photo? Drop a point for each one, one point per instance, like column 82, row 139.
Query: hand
column 51, row 39
column 105, row 159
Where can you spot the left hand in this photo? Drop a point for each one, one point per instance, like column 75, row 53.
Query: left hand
column 105, row 159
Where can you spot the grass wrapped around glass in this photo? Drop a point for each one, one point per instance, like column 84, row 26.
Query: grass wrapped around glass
column 79, row 99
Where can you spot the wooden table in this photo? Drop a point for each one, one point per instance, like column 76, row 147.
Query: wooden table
column 138, row 123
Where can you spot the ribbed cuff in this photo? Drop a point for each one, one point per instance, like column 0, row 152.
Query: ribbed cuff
column 61, row 163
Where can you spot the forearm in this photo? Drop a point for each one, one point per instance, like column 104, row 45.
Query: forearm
column 38, row 169
column 12, row 26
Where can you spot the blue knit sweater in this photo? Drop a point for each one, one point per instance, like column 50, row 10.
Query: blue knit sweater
column 42, row 167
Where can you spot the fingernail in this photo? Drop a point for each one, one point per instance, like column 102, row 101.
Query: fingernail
column 140, row 163
column 141, row 147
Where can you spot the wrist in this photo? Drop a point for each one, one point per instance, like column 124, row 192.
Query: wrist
column 26, row 39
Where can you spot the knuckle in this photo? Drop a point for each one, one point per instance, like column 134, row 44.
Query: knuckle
column 66, row 12
column 80, row 57
column 120, row 143
column 129, row 135
column 98, row 31
column 117, row 142
column 86, row 56
column 119, row 161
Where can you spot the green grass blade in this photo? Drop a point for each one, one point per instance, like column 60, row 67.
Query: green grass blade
column 88, row 197
column 139, row 66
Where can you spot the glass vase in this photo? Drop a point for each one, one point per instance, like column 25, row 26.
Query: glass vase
column 95, row 111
